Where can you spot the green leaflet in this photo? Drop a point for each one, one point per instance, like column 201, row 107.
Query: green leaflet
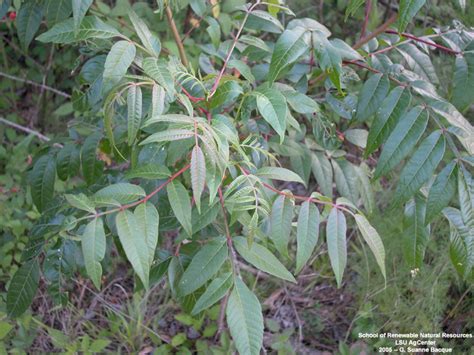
column 441, row 192
column 280, row 223
column 272, row 106
column 205, row 264
column 275, row 173
column 91, row 166
column 392, row 108
column 41, row 180
column 245, row 319
column 346, row 179
column 158, row 70
column 243, row 69
column 373, row 240
column 149, row 40
column 168, row 135
column 58, row 266
column 79, row 10
column 118, row 61
column 157, row 100
column 214, row 31
column 463, row 130
column 300, row 102
column 371, row 96
column 420, row 167
column 23, row 288
column 57, row 10
column 170, row 118
column 255, row 42
column 301, row 164
column 262, row 259
column 68, row 161
column 352, row 8
column 133, row 238
column 208, row 215
column 419, row 62
column 226, row 94
column 463, row 83
column 181, row 205
column 288, row 48
column 322, row 171
column 121, row 192
column 466, row 196
column 149, row 171
column 28, row 21
column 330, row 59
column 262, row 20
column 134, row 117
column 408, row 9
column 365, row 187
column 93, row 249
column 4, row 7
column 198, row 6
column 461, row 243
column 357, row 137
column 415, row 234
column 64, row 32
column 307, row 233
column 198, row 174
column 214, row 292
column 148, row 221
column 401, row 141
column 81, row 202
column 337, row 244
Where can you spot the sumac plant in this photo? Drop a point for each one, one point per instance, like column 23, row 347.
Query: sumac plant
column 192, row 160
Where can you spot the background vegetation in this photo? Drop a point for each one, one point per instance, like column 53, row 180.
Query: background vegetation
column 40, row 89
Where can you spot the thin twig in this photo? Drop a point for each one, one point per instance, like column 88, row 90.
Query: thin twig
column 421, row 40
column 29, row 131
column 43, row 83
column 177, row 37
column 220, row 321
column 143, row 200
column 363, row 41
column 228, row 235
column 373, row 70
column 376, row 32
column 231, row 50
column 42, row 86
column 295, row 311
column 368, row 8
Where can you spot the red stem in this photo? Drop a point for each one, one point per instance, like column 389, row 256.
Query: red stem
column 373, row 70
column 368, row 8
column 191, row 97
column 146, row 198
column 231, row 50
column 297, row 197
column 421, row 40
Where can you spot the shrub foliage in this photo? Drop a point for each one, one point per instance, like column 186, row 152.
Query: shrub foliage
column 207, row 143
